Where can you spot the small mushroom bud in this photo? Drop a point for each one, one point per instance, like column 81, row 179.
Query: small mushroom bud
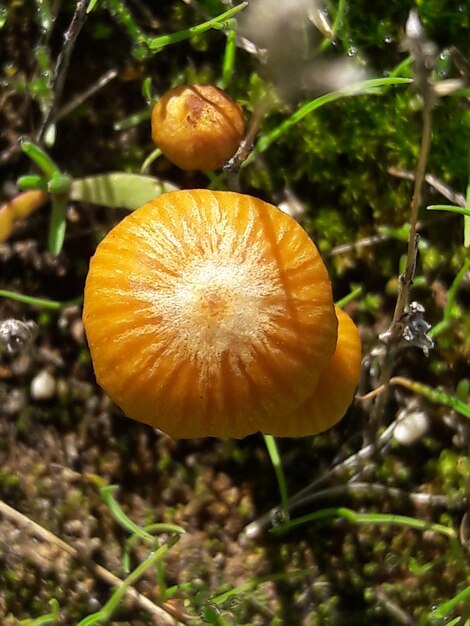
column 197, row 127
column 210, row 313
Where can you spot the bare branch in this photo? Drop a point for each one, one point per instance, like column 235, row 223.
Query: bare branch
column 62, row 63
column 435, row 183
column 159, row 614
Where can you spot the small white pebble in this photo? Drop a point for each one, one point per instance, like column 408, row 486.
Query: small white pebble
column 43, row 386
column 411, row 427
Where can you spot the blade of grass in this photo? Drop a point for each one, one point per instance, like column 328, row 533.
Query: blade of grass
column 104, row 614
column 155, row 44
column 50, row 618
column 42, row 160
column 153, row 156
column 58, row 224
column 366, row 518
column 364, row 87
column 121, row 13
column 451, row 300
column 354, row 293
column 256, row 582
column 339, row 16
column 151, row 529
column 52, row 305
column 119, row 515
column 229, row 58
column 445, row 608
column 462, row 210
column 133, row 120
column 450, row 208
column 273, row 452
column 437, row 396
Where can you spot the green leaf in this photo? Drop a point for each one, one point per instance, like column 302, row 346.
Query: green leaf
column 32, row 181
column 58, row 225
column 450, row 208
column 41, row 158
column 91, row 6
column 118, row 189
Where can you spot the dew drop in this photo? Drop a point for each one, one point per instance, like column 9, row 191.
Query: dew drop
column 443, row 64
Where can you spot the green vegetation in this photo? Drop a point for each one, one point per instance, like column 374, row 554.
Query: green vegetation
column 351, row 526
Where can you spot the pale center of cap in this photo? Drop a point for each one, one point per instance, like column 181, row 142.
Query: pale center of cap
column 221, row 305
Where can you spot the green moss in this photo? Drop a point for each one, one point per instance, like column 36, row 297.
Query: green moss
column 445, row 21
column 452, row 471
column 9, row 481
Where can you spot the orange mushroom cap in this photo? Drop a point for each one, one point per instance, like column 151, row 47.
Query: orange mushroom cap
column 197, row 127
column 208, row 313
column 334, row 391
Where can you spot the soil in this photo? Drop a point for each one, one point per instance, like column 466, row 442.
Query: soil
column 61, row 438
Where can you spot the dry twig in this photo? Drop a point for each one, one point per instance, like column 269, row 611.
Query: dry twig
column 62, row 64
column 161, row 616
column 424, row 53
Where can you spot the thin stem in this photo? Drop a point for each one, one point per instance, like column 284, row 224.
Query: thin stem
column 104, row 614
column 273, row 452
column 466, row 219
column 58, row 224
column 155, row 44
column 52, row 305
column 80, row 98
column 229, row 58
column 435, row 183
column 63, row 61
column 393, row 608
column 51, row 618
column 445, row 608
column 407, row 278
column 40, row 157
column 352, row 462
column 119, row 515
column 367, row 518
column 433, row 395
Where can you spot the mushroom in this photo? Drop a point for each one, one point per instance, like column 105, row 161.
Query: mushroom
column 334, row 391
column 197, row 127
column 210, row 313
